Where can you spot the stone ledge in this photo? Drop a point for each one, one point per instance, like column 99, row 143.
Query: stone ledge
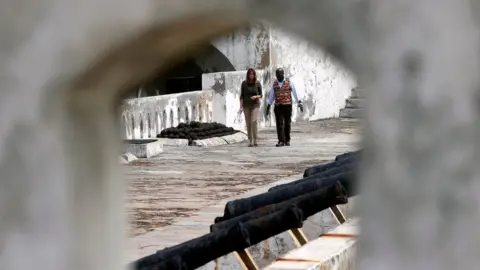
column 236, row 138
column 355, row 103
column 127, row 158
column 351, row 113
column 357, row 93
column 229, row 139
column 145, row 150
column 216, row 141
column 335, row 250
column 173, row 142
column 210, row 142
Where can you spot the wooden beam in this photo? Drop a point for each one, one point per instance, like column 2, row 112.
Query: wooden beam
column 338, row 214
column 298, row 237
column 246, row 260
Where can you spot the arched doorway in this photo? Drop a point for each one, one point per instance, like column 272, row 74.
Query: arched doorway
column 186, row 76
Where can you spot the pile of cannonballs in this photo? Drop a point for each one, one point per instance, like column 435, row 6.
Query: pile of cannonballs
column 196, row 131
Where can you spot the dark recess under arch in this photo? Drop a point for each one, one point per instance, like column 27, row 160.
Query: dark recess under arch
column 186, row 76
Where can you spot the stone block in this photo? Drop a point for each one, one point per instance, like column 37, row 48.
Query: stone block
column 355, row 103
column 228, row 139
column 210, row 142
column 358, row 92
column 122, row 160
column 337, row 250
column 235, row 138
column 145, row 150
column 173, row 142
column 128, row 157
column 351, row 113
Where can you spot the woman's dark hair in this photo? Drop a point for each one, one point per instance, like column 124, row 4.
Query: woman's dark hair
column 254, row 75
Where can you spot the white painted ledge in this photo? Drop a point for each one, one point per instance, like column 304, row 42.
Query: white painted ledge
column 145, row 150
column 127, row 158
column 173, row 142
column 215, row 141
column 335, row 250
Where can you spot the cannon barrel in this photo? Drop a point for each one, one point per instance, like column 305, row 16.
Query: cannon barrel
column 348, row 154
column 260, row 229
column 214, row 243
column 242, row 206
column 328, row 166
column 346, row 168
column 310, row 204
column 199, row 251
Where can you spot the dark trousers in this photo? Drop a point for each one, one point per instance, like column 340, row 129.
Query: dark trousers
column 283, row 119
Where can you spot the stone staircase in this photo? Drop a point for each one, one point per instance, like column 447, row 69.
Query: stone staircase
column 354, row 105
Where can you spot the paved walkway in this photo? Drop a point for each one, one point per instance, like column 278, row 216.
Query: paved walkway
column 176, row 196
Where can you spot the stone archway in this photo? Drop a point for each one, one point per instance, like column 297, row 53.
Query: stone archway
column 85, row 58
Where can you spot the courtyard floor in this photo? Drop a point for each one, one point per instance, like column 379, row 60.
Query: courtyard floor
column 183, row 183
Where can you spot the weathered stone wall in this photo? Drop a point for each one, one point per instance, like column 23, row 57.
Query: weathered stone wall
column 321, row 81
column 68, row 61
column 246, row 48
column 145, row 117
column 227, row 97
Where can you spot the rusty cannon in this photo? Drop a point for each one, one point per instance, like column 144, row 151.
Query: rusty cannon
column 245, row 230
column 351, row 158
column 344, row 163
column 310, row 203
column 199, row 251
column 348, row 155
column 249, row 221
column 241, row 206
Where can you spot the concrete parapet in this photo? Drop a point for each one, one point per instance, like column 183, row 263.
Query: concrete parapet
column 352, row 113
column 235, row 138
column 333, row 250
column 146, row 117
column 127, row 158
column 145, row 150
column 229, row 139
column 216, row 141
column 173, row 142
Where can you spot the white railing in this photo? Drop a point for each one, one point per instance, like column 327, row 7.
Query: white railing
column 144, row 118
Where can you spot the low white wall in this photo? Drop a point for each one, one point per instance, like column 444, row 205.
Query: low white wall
column 321, row 82
column 145, row 117
column 336, row 250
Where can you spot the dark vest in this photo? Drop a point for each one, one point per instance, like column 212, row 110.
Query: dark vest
column 283, row 95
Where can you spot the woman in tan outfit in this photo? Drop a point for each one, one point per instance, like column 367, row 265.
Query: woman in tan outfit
column 251, row 93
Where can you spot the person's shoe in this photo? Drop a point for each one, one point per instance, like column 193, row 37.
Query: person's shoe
column 279, row 144
column 287, row 143
column 250, row 145
column 255, row 144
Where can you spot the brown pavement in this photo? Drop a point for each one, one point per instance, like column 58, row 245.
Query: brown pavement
column 175, row 197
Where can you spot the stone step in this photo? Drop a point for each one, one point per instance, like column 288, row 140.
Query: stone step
column 355, row 103
column 357, row 93
column 351, row 113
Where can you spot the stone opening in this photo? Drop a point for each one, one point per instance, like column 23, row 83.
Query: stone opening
column 186, row 76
